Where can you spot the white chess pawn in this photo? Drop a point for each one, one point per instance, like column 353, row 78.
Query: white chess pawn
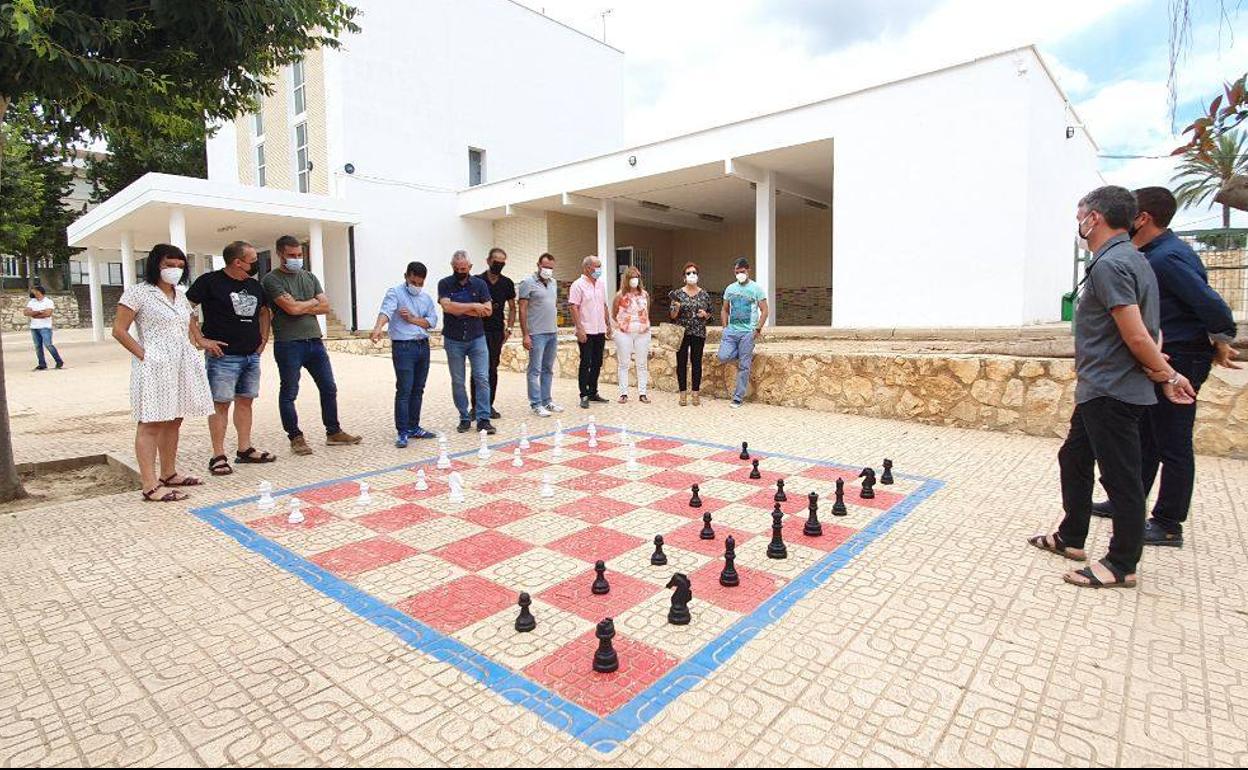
column 265, row 503
column 296, row 513
column 524, row 435
column 516, row 461
column 548, row 489
column 484, row 452
column 593, row 441
column 456, row 483
column 365, row 498
column 422, row 483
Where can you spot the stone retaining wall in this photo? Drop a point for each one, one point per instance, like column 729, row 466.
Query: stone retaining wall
column 64, row 316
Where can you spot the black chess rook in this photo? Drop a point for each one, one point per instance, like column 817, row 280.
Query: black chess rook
column 729, row 577
column 658, row 558
column 600, row 586
column 605, row 658
column 525, row 622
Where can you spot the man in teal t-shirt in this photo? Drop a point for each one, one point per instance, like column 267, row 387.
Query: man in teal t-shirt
column 743, row 315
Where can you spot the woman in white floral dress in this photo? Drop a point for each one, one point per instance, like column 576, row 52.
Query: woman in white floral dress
column 168, row 381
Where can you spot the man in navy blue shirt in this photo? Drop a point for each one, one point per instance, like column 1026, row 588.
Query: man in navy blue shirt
column 465, row 301
column 1197, row 329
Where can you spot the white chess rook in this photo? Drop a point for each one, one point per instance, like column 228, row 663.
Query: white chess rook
column 365, row 498
column 265, row 503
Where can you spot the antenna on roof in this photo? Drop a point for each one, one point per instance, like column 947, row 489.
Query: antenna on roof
column 604, row 14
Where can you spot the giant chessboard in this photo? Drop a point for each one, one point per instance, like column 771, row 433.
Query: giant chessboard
column 445, row 576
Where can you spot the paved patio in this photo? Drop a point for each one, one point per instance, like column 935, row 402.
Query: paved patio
column 137, row 634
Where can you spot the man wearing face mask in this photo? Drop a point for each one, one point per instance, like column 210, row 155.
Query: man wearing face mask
column 465, row 301
column 410, row 312
column 497, row 331
column 234, row 334
column 743, row 314
column 1197, row 329
column 1117, row 361
column 539, row 298
column 297, row 298
column 587, row 301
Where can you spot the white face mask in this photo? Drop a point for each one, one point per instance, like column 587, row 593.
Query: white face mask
column 171, row 275
column 546, row 273
column 633, row 283
column 1083, row 238
column 743, row 277
column 691, row 279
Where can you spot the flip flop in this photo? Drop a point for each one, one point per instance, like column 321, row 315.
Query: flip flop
column 1090, row 580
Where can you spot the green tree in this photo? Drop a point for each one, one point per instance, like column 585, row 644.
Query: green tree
column 130, row 157
column 1203, row 172
column 149, row 67
column 33, row 214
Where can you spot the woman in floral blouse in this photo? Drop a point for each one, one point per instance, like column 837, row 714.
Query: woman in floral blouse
column 630, row 312
column 690, row 308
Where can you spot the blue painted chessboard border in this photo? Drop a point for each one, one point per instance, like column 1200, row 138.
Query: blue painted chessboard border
column 603, row 734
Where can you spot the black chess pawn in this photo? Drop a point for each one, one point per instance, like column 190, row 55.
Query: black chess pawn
column 780, row 497
column 600, row 586
column 605, row 659
column 838, row 507
column 695, row 501
column 887, row 476
column 813, row 528
column 525, row 622
column 707, row 533
column 658, row 558
column 745, row 450
column 868, row 484
column 728, row 577
column 754, row 474
column 776, row 548
column 679, row 615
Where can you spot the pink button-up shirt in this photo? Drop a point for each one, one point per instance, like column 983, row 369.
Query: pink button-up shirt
column 590, row 299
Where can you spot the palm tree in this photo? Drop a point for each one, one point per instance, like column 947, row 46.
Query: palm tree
column 1202, row 174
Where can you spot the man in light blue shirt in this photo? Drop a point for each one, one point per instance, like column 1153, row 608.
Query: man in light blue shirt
column 410, row 313
column 743, row 315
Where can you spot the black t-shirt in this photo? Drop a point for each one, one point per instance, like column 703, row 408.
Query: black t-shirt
column 231, row 310
column 500, row 293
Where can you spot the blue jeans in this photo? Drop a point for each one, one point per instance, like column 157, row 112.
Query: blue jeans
column 738, row 345
column 542, row 368
column 42, row 339
column 292, row 357
column 411, row 370
column 478, row 352
column 233, row 377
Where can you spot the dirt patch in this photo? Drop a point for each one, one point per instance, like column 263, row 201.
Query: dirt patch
column 46, row 487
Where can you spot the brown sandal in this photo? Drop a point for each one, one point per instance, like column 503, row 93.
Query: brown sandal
column 1056, row 546
column 623, row 399
column 187, row 481
column 643, row 399
column 220, row 466
column 250, row 455
column 172, row 496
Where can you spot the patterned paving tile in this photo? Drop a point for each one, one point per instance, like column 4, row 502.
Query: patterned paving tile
column 569, row 672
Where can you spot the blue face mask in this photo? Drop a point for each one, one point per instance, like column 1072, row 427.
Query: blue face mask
column 414, row 290
column 294, row 264
column 597, row 273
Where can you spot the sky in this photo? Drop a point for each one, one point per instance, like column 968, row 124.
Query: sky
column 690, row 64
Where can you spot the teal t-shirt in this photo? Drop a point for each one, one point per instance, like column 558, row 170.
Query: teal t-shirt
column 743, row 302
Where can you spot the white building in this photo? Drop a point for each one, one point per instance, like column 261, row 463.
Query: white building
column 946, row 199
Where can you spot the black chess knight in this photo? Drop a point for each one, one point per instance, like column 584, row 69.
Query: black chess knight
column 679, row 615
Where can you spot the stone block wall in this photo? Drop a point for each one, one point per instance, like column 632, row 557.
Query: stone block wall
column 111, row 295
column 64, row 316
column 803, row 306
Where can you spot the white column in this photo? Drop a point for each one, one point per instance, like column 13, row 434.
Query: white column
column 606, row 244
column 97, row 295
column 127, row 259
column 177, row 228
column 316, row 258
column 765, row 239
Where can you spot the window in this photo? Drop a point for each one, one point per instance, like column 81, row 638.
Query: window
column 257, row 143
column 114, row 274
column 303, row 168
column 476, row 166
column 259, row 125
column 299, row 88
column 260, row 178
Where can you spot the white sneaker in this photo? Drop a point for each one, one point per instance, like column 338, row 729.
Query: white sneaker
column 734, row 405
column 541, row 411
column 553, row 407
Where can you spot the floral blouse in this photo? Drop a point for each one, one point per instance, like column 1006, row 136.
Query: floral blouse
column 689, row 307
column 632, row 313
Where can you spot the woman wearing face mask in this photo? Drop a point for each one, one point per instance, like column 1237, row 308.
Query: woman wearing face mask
column 168, row 381
column 690, row 308
column 630, row 312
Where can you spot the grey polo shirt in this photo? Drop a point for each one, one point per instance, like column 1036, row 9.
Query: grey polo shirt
column 542, row 296
column 1118, row 275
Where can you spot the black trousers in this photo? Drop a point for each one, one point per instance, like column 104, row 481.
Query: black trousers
column 1104, row 432
column 690, row 344
column 1166, row 440
column 494, row 341
column 591, row 363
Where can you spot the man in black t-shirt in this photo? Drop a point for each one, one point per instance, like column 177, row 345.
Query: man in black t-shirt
column 234, row 334
column 497, row 332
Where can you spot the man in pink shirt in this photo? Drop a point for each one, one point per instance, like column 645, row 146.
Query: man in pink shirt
column 587, row 299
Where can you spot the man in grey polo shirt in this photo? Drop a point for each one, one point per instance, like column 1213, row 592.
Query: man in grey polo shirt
column 539, row 295
column 1117, row 359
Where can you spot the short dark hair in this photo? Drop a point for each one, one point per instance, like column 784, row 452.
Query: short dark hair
column 1158, row 203
column 39, row 289
column 740, row 263
column 1116, row 204
column 288, row 241
column 417, row 269
column 235, row 250
column 496, row 250
column 546, row 255
column 159, row 253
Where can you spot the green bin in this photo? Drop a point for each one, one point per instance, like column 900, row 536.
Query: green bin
column 1068, row 306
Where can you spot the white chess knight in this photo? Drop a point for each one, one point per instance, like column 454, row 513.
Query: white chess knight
column 484, row 452
column 296, row 512
column 524, row 435
column 365, row 498
column 265, row 503
column 516, row 460
column 422, row 483
column 548, row 489
column 456, row 483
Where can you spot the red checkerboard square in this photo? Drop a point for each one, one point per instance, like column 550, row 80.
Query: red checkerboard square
column 457, row 604
column 498, row 512
column 687, row 537
column 277, row 524
column 768, row 477
column 482, row 550
column 679, row 505
column 574, row 595
column 437, row 486
column 882, row 501
column 396, row 518
column 765, row 501
column 828, row 474
column 664, row 460
column 593, row 482
column 512, row 482
column 330, row 494
column 733, row 457
column 356, row 558
column 756, row 587
column 660, row 444
column 596, row 543
column 530, row 464
column 595, row 509
column 569, row 671
column 674, row 479
column 592, row 463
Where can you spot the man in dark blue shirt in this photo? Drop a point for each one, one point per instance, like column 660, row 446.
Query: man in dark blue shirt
column 465, row 301
column 1197, row 330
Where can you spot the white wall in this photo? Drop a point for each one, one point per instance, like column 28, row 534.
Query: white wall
column 223, row 154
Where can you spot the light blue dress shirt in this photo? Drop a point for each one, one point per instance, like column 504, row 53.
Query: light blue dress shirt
column 421, row 306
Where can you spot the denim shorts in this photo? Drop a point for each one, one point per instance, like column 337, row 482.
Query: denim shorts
column 233, row 377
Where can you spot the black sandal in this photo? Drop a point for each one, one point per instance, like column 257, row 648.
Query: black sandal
column 219, row 466
column 1058, row 547
column 187, row 481
column 172, row 496
column 1121, row 579
column 250, row 456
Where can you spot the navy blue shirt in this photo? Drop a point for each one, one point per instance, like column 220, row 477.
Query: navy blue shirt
column 1191, row 311
column 462, row 327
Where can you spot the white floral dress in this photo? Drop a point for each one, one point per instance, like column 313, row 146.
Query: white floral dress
column 171, row 381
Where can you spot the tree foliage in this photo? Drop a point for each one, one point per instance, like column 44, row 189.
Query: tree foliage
column 130, row 157
column 35, row 182
column 1202, row 173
